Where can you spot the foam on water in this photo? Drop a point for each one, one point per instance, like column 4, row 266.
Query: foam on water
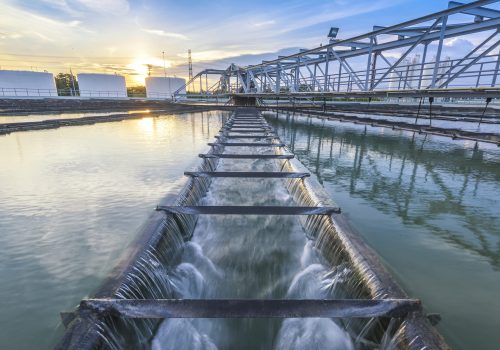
column 179, row 333
column 312, row 333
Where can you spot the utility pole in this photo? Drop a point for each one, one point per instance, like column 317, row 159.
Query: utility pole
column 190, row 65
column 164, row 69
column 73, row 91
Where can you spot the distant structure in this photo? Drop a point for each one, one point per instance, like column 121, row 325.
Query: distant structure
column 102, row 85
column 406, row 74
column 27, row 84
column 190, row 64
column 161, row 88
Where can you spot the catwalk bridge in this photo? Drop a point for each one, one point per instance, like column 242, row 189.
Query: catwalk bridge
column 363, row 66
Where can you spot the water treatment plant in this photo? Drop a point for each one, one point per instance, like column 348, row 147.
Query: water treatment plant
column 339, row 192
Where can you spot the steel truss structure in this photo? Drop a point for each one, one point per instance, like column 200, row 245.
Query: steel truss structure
column 362, row 65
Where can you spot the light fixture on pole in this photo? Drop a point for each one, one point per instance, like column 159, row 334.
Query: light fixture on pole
column 164, row 69
column 332, row 34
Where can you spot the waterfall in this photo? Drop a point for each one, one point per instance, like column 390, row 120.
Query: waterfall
column 252, row 256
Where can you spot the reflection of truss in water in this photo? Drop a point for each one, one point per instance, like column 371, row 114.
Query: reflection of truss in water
column 395, row 195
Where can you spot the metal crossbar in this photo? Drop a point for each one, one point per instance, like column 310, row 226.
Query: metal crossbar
column 247, row 125
column 237, row 128
column 247, row 210
column 246, row 137
column 247, row 122
column 278, row 175
column 246, row 131
column 246, row 144
column 248, row 156
column 250, row 308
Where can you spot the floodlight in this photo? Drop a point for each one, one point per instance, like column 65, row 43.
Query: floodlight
column 332, row 34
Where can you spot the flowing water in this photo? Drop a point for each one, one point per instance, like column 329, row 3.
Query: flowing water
column 428, row 205
column 235, row 256
column 264, row 257
column 70, row 200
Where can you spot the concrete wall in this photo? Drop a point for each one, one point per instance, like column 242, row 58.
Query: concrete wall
column 27, row 84
column 101, row 85
column 161, row 87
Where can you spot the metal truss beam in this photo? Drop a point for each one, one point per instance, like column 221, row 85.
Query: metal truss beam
column 332, row 68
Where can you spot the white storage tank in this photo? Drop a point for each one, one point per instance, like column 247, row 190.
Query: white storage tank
column 101, row 85
column 164, row 87
column 16, row 83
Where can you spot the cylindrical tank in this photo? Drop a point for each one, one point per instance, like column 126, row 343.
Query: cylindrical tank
column 15, row 83
column 101, row 85
column 164, row 87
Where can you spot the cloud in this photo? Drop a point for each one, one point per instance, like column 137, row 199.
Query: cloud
column 62, row 5
column 113, row 7
column 43, row 37
column 160, row 32
column 10, row 35
column 334, row 11
column 264, row 23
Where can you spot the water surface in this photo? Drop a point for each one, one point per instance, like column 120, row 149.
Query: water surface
column 23, row 118
column 70, row 200
column 427, row 204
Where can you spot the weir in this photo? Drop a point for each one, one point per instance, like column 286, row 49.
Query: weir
column 179, row 265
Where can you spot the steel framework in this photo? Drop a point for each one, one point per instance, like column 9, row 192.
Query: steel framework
column 362, row 65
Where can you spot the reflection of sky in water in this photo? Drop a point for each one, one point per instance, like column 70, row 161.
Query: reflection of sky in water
column 41, row 117
column 70, row 200
column 424, row 119
column 427, row 204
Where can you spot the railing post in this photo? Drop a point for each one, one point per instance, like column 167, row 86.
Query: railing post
column 327, row 64
column 340, row 76
column 495, row 74
column 479, row 74
column 368, row 64
column 444, row 19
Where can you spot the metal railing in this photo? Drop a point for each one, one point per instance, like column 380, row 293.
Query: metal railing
column 44, row 93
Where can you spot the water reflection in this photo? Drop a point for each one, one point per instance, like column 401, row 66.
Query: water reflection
column 71, row 200
column 427, row 204
column 415, row 177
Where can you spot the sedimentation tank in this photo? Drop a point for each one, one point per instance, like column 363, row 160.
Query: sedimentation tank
column 249, row 193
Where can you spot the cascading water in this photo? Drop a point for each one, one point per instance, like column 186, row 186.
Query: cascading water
column 250, row 256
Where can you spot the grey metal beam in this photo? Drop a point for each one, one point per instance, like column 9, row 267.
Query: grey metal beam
column 432, row 36
column 248, row 210
column 248, row 174
column 245, row 137
column 246, row 144
column 250, row 308
column 247, row 156
column 388, row 29
column 478, row 11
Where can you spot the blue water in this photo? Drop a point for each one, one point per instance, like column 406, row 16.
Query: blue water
column 70, row 200
column 427, row 204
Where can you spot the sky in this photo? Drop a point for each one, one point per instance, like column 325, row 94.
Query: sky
column 124, row 36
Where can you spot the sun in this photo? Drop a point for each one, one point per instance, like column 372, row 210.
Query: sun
column 141, row 67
